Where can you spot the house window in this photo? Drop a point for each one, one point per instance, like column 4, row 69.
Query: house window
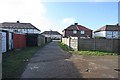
column 109, row 32
column 82, row 32
column 74, row 32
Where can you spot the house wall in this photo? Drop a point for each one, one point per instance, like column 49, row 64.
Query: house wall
column 56, row 36
column 19, row 41
column 70, row 33
column 23, row 31
column 53, row 36
column 112, row 34
column 100, row 34
column 107, row 34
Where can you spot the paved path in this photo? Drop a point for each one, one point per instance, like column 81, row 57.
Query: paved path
column 51, row 62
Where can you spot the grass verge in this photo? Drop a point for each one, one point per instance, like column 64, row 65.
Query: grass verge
column 14, row 62
column 94, row 53
column 65, row 47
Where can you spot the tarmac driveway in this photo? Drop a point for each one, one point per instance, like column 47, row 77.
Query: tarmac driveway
column 52, row 62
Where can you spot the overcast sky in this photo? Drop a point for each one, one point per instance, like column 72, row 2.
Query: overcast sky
column 57, row 15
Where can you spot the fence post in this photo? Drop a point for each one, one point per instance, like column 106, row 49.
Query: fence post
column 78, row 44
column 69, row 42
column 94, row 44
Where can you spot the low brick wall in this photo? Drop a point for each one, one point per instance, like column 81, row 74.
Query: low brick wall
column 72, row 42
column 66, row 41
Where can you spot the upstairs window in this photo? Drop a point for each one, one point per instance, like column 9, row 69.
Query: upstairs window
column 82, row 32
column 74, row 32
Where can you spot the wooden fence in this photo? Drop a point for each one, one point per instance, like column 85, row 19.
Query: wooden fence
column 92, row 44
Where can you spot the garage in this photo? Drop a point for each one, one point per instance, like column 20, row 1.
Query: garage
column 4, row 48
column 19, row 41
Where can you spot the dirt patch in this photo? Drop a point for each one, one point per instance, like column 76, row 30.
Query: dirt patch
column 96, row 66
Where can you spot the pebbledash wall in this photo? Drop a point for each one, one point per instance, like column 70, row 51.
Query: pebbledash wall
column 92, row 44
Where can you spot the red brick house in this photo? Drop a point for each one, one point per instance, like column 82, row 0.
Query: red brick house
column 77, row 31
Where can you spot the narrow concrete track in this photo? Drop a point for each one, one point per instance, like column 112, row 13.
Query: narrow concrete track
column 52, row 62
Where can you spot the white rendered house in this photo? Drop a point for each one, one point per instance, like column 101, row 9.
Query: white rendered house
column 108, row 31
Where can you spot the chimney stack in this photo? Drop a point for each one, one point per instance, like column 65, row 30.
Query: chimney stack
column 76, row 23
column 18, row 21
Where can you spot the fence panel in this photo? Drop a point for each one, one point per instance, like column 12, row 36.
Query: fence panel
column 86, row 44
column 92, row 44
column 98, row 44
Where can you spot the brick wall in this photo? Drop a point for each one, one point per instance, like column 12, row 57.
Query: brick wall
column 66, row 41
column 72, row 42
column 70, row 33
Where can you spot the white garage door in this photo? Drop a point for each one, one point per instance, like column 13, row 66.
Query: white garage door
column 3, row 41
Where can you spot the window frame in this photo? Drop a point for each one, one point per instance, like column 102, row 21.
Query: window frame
column 74, row 31
column 82, row 32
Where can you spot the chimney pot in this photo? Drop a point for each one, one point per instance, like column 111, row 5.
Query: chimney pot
column 76, row 23
column 18, row 21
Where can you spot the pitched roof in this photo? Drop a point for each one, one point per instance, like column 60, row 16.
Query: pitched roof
column 77, row 27
column 109, row 28
column 18, row 25
column 51, row 32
